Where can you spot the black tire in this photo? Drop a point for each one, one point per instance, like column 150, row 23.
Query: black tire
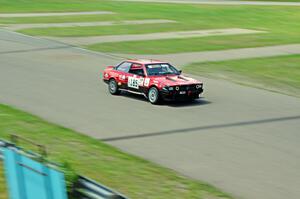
column 153, row 95
column 113, row 87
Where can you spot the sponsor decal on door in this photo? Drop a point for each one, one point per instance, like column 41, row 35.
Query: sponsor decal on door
column 133, row 82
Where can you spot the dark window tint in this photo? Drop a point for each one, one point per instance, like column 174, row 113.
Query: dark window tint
column 139, row 72
column 161, row 69
column 124, row 67
column 137, row 69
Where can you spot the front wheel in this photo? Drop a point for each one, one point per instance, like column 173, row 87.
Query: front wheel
column 113, row 87
column 153, row 95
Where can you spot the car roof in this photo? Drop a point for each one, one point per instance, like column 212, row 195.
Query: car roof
column 145, row 61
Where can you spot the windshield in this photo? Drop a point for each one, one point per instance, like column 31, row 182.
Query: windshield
column 161, row 69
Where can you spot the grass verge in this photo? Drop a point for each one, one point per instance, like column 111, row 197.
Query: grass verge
column 280, row 74
column 281, row 23
column 133, row 176
column 3, row 191
column 275, row 0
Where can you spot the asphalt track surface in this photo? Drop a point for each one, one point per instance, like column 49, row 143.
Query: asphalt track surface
column 223, row 55
column 241, row 139
column 86, row 24
column 153, row 36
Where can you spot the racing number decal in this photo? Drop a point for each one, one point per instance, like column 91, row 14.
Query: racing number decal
column 141, row 81
column 133, row 82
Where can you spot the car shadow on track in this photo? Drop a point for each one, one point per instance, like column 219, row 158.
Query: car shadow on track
column 133, row 96
column 176, row 104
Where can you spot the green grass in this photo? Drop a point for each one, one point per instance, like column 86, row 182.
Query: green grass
column 106, row 30
column 280, row 74
column 3, row 191
column 133, row 176
column 73, row 18
column 281, row 23
column 275, row 0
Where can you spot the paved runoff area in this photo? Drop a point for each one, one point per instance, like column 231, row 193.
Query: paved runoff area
column 223, row 2
column 241, row 139
column 45, row 14
column 154, row 36
column 223, row 55
column 86, row 24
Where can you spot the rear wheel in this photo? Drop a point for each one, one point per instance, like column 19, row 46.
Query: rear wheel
column 153, row 95
column 113, row 87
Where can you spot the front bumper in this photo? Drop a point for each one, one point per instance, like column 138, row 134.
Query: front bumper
column 180, row 94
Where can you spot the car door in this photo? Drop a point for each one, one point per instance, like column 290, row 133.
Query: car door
column 135, row 80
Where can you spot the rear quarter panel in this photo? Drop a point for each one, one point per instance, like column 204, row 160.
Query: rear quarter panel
column 109, row 73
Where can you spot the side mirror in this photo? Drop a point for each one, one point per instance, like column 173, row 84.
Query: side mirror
column 180, row 71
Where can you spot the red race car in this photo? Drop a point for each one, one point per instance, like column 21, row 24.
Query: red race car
column 154, row 79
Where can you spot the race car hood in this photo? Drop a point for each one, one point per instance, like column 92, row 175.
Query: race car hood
column 176, row 80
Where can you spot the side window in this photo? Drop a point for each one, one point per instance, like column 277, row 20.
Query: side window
column 137, row 69
column 124, row 67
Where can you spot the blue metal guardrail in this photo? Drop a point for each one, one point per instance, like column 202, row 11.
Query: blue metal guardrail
column 30, row 177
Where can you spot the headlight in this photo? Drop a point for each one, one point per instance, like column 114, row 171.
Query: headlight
column 166, row 88
column 198, row 86
column 177, row 88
